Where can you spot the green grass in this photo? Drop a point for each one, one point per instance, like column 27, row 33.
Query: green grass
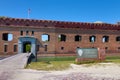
column 113, row 59
column 71, row 58
column 62, row 63
column 52, row 63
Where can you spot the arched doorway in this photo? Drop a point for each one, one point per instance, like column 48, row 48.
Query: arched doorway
column 26, row 47
column 27, row 44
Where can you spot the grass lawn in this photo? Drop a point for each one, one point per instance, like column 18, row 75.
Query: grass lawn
column 52, row 63
column 113, row 59
column 62, row 63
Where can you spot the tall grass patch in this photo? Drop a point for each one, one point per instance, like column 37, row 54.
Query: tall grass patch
column 52, row 63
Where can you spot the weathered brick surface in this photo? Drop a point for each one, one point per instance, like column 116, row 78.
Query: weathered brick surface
column 54, row 28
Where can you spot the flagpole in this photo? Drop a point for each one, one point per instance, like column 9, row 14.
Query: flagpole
column 29, row 13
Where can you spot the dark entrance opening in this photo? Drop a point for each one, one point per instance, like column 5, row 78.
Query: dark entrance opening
column 26, row 47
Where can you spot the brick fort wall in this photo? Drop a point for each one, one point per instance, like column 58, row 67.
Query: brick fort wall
column 63, row 37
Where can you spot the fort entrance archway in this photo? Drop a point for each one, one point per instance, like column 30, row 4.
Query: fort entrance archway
column 26, row 47
column 27, row 44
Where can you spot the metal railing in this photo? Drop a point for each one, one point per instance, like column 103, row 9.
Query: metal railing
column 31, row 56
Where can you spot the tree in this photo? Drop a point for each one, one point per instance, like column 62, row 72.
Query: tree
column 28, row 48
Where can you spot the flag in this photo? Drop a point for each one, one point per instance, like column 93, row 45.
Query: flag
column 29, row 10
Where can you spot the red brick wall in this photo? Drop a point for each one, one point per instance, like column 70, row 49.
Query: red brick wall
column 54, row 46
column 70, row 45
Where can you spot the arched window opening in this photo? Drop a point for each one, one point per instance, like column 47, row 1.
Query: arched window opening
column 15, row 48
column 21, row 33
column 27, row 33
column 62, row 37
column 7, row 37
column 45, row 37
column 5, row 48
column 92, row 38
column 118, row 38
column 105, row 39
column 32, row 33
column 46, row 48
column 78, row 38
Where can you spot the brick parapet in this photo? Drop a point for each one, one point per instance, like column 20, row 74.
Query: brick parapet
column 55, row 28
column 15, row 22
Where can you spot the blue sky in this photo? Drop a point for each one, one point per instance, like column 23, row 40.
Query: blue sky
column 63, row 10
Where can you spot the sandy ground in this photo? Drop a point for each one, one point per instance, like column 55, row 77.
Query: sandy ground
column 102, row 71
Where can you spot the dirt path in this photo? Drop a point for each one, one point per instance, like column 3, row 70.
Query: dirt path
column 12, row 68
column 103, row 71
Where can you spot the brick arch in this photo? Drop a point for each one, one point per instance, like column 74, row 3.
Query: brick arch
column 45, row 37
column 77, row 38
column 23, row 40
column 118, row 38
column 92, row 38
column 61, row 37
column 105, row 38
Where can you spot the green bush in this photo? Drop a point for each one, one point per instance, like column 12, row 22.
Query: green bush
column 28, row 48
